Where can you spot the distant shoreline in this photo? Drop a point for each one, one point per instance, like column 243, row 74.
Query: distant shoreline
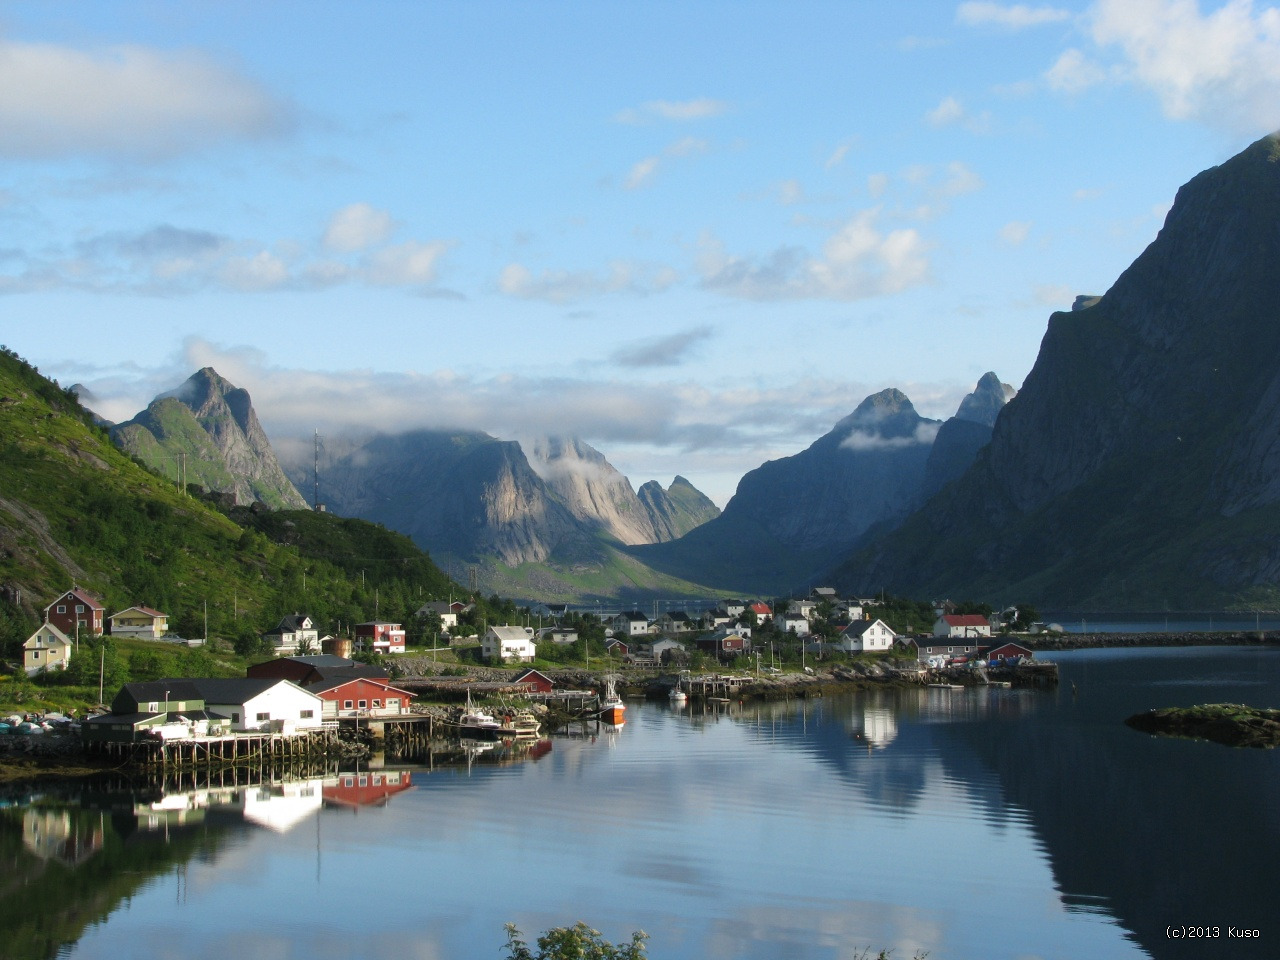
column 1216, row 638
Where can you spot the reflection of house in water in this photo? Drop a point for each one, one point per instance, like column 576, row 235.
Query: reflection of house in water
column 53, row 834
column 276, row 806
column 877, row 726
column 366, row 787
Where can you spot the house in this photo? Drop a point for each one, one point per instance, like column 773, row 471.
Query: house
column 675, row 621
column 806, row 609
column 617, row 648
column 508, row 643
column 295, row 633
column 662, row 650
column 1010, row 651
column 788, row 622
column 823, row 593
column 380, row 637
column 140, row 622
column 631, row 623
column 260, row 705
column 308, row 669
column 961, row 625
column 539, row 682
column 446, row 610
column 849, row 609
column 46, row 649
column 360, row 697
column 724, row 644
column 866, row 636
column 561, row 635
column 761, row 609
column 732, row 608
column 76, row 612
column 156, row 708
column 940, row 650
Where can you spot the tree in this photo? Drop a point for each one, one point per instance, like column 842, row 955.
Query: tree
column 578, row 942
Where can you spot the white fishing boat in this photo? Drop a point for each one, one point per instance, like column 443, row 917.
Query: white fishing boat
column 612, row 709
column 474, row 722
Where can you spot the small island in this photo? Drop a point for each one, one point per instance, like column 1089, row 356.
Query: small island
column 1233, row 724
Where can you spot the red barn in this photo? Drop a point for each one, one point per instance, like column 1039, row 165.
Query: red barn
column 360, row 697
column 539, row 681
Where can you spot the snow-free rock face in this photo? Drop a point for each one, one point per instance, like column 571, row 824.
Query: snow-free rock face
column 593, row 490
column 678, row 509
column 208, row 428
column 1139, row 464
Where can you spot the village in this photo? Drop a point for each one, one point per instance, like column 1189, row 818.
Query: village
column 296, row 702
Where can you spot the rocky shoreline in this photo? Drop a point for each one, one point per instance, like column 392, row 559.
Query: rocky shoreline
column 1086, row 641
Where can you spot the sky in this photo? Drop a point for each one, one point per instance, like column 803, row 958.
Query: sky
column 694, row 234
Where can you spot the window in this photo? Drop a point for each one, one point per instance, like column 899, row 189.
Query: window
column 62, row 608
column 306, row 714
column 364, row 704
column 79, row 608
column 346, row 704
column 264, row 717
column 235, row 716
column 377, row 704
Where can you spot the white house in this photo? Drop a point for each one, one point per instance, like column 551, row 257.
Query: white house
column 446, row 610
column 46, row 649
column 961, row 625
column 508, row 643
column 631, row 623
column 866, row 636
column 295, row 633
column 261, row 704
column 793, row 621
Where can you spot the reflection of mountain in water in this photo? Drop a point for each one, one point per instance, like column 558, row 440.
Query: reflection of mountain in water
column 1151, row 832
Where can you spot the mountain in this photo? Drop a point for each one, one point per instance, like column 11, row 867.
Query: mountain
column 678, row 509
column 1139, row 467
column 544, row 518
column 790, row 518
column 207, row 429
column 961, row 437
column 74, row 508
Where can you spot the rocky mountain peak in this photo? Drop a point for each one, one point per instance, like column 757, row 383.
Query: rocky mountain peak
column 986, row 401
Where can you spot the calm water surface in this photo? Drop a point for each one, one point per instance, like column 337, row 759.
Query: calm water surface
column 970, row 824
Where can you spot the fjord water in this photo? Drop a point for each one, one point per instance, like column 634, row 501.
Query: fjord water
column 982, row 823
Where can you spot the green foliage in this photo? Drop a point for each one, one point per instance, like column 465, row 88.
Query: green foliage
column 578, row 942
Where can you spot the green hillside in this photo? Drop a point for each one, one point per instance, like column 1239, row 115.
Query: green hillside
column 74, row 509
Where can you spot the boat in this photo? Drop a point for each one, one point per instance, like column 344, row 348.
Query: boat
column 522, row 724
column 946, row 686
column 677, row 696
column 612, row 709
column 475, row 723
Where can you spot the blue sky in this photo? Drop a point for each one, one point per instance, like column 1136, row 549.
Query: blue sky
column 694, row 234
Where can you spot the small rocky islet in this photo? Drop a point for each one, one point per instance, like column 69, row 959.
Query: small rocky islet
column 1232, row 724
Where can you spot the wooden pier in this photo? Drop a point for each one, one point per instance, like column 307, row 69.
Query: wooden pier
column 244, row 749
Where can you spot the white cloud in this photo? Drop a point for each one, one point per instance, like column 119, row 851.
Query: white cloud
column 877, row 184
column 837, row 156
column 357, row 226
column 860, row 440
column 125, row 101
column 406, row 264
column 1015, row 232
column 565, row 286
column 668, row 351
column 859, row 260
column 642, row 173
column 1220, row 68
column 679, row 111
column 946, row 112
column 1017, row 16
column 263, row 271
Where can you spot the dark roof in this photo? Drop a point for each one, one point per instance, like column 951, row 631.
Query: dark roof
column 292, row 623
column 224, row 689
column 152, row 691
column 322, row 660
column 353, row 672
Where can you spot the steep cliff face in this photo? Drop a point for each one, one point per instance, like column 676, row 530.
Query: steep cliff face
column 590, row 487
column 207, row 427
column 1138, row 464
column 677, row 510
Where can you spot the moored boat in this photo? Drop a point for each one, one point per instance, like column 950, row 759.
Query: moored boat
column 612, row 709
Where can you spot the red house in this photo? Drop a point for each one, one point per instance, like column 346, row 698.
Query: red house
column 76, row 612
column 1010, row 650
column 360, row 697
column 380, row 637
column 539, row 682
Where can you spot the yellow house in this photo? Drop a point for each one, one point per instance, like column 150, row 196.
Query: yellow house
column 141, row 622
column 46, row 649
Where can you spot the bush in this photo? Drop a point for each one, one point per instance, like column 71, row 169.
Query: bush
column 578, row 942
